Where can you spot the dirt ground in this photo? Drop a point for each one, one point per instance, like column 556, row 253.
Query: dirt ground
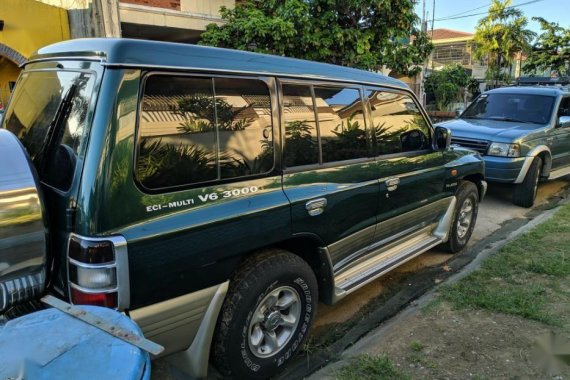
column 451, row 344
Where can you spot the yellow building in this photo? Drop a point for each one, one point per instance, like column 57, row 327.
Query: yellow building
column 26, row 26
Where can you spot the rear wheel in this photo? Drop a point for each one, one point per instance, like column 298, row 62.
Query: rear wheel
column 266, row 315
column 524, row 193
column 464, row 217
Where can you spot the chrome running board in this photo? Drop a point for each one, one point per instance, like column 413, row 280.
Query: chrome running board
column 559, row 172
column 388, row 257
column 385, row 259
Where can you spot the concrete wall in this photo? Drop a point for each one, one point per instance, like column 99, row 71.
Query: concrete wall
column 90, row 18
column 211, row 8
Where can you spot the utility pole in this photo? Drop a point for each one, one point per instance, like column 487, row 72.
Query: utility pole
column 422, row 92
column 432, row 22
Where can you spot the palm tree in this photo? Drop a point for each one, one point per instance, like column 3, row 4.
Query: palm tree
column 499, row 36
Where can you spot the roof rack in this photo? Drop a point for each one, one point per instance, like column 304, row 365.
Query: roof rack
column 543, row 81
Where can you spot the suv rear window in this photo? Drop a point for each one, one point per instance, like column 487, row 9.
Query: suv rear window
column 40, row 100
column 197, row 129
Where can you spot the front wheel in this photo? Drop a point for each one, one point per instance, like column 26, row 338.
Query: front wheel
column 464, row 217
column 266, row 316
column 524, row 193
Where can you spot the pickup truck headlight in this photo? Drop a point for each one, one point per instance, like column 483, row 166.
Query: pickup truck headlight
column 504, row 150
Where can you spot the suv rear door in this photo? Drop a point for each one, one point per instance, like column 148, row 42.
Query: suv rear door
column 50, row 112
column 329, row 176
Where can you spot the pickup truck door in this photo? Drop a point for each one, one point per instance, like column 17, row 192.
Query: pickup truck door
column 560, row 138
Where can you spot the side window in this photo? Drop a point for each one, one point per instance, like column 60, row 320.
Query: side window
column 188, row 135
column 301, row 139
column 564, row 109
column 243, row 110
column 397, row 123
column 341, row 123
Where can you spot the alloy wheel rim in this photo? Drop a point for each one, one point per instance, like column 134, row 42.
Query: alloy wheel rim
column 465, row 217
column 274, row 322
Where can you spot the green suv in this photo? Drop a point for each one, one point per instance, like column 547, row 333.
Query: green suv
column 215, row 196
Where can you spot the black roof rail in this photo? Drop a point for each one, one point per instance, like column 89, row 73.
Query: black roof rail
column 543, row 81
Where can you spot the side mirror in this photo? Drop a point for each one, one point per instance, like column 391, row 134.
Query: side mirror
column 442, row 138
column 564, row 121
column 459, row 111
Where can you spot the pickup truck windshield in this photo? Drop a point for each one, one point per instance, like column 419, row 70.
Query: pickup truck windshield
column 520, row 108
column 48, row 113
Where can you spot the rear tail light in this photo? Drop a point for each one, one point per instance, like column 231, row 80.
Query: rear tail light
column 98, row 271
column 95, row 299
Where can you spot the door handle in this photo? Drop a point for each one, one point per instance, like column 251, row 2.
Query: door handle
column 392, row 183
column 316, row 206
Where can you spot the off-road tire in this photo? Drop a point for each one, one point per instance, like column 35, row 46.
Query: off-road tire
column 466, row 191
column 256, row 278
column 524, row 193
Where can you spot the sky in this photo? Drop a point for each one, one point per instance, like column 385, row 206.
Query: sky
column 552, row 10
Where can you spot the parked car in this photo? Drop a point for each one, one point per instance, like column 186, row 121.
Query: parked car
column 216, row 195
column 523, row 134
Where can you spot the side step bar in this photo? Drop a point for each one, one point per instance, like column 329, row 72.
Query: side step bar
column 388, row 257
column 559, row 173
column 382, row 262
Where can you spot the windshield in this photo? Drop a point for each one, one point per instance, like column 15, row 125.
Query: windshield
column 522, row 108
column 48, row 113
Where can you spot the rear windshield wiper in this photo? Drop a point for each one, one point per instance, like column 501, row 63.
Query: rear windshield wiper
column 55, row 128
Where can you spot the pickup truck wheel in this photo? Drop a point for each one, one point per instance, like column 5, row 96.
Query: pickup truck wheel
column 266, row 315
column 464, row 217
column 524, row 193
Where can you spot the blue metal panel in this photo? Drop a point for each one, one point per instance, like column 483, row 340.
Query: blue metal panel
column 50, row 344
column 502, row 169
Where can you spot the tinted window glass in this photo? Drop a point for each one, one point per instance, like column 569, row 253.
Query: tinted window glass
column 301, row 142
column 243, row 110
column 511, row 107
column 177, row 134
column 39, row 97
column 397, row 123
column 564, row 109
column 187, row 136
column 341, row 123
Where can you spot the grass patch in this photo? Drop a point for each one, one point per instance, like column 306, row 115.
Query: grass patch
column 417, row 346
column 371, row 367
column 417, row 359
column 526, row 277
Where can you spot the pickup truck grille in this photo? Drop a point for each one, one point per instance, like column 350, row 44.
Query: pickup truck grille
column 480, row 146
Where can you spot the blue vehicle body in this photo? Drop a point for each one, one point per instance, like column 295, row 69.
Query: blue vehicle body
column 547, row 139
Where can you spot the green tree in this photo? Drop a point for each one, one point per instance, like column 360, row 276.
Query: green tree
column 499, row 36
column 446, row 85
column 365, row 34
column 551, row 49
